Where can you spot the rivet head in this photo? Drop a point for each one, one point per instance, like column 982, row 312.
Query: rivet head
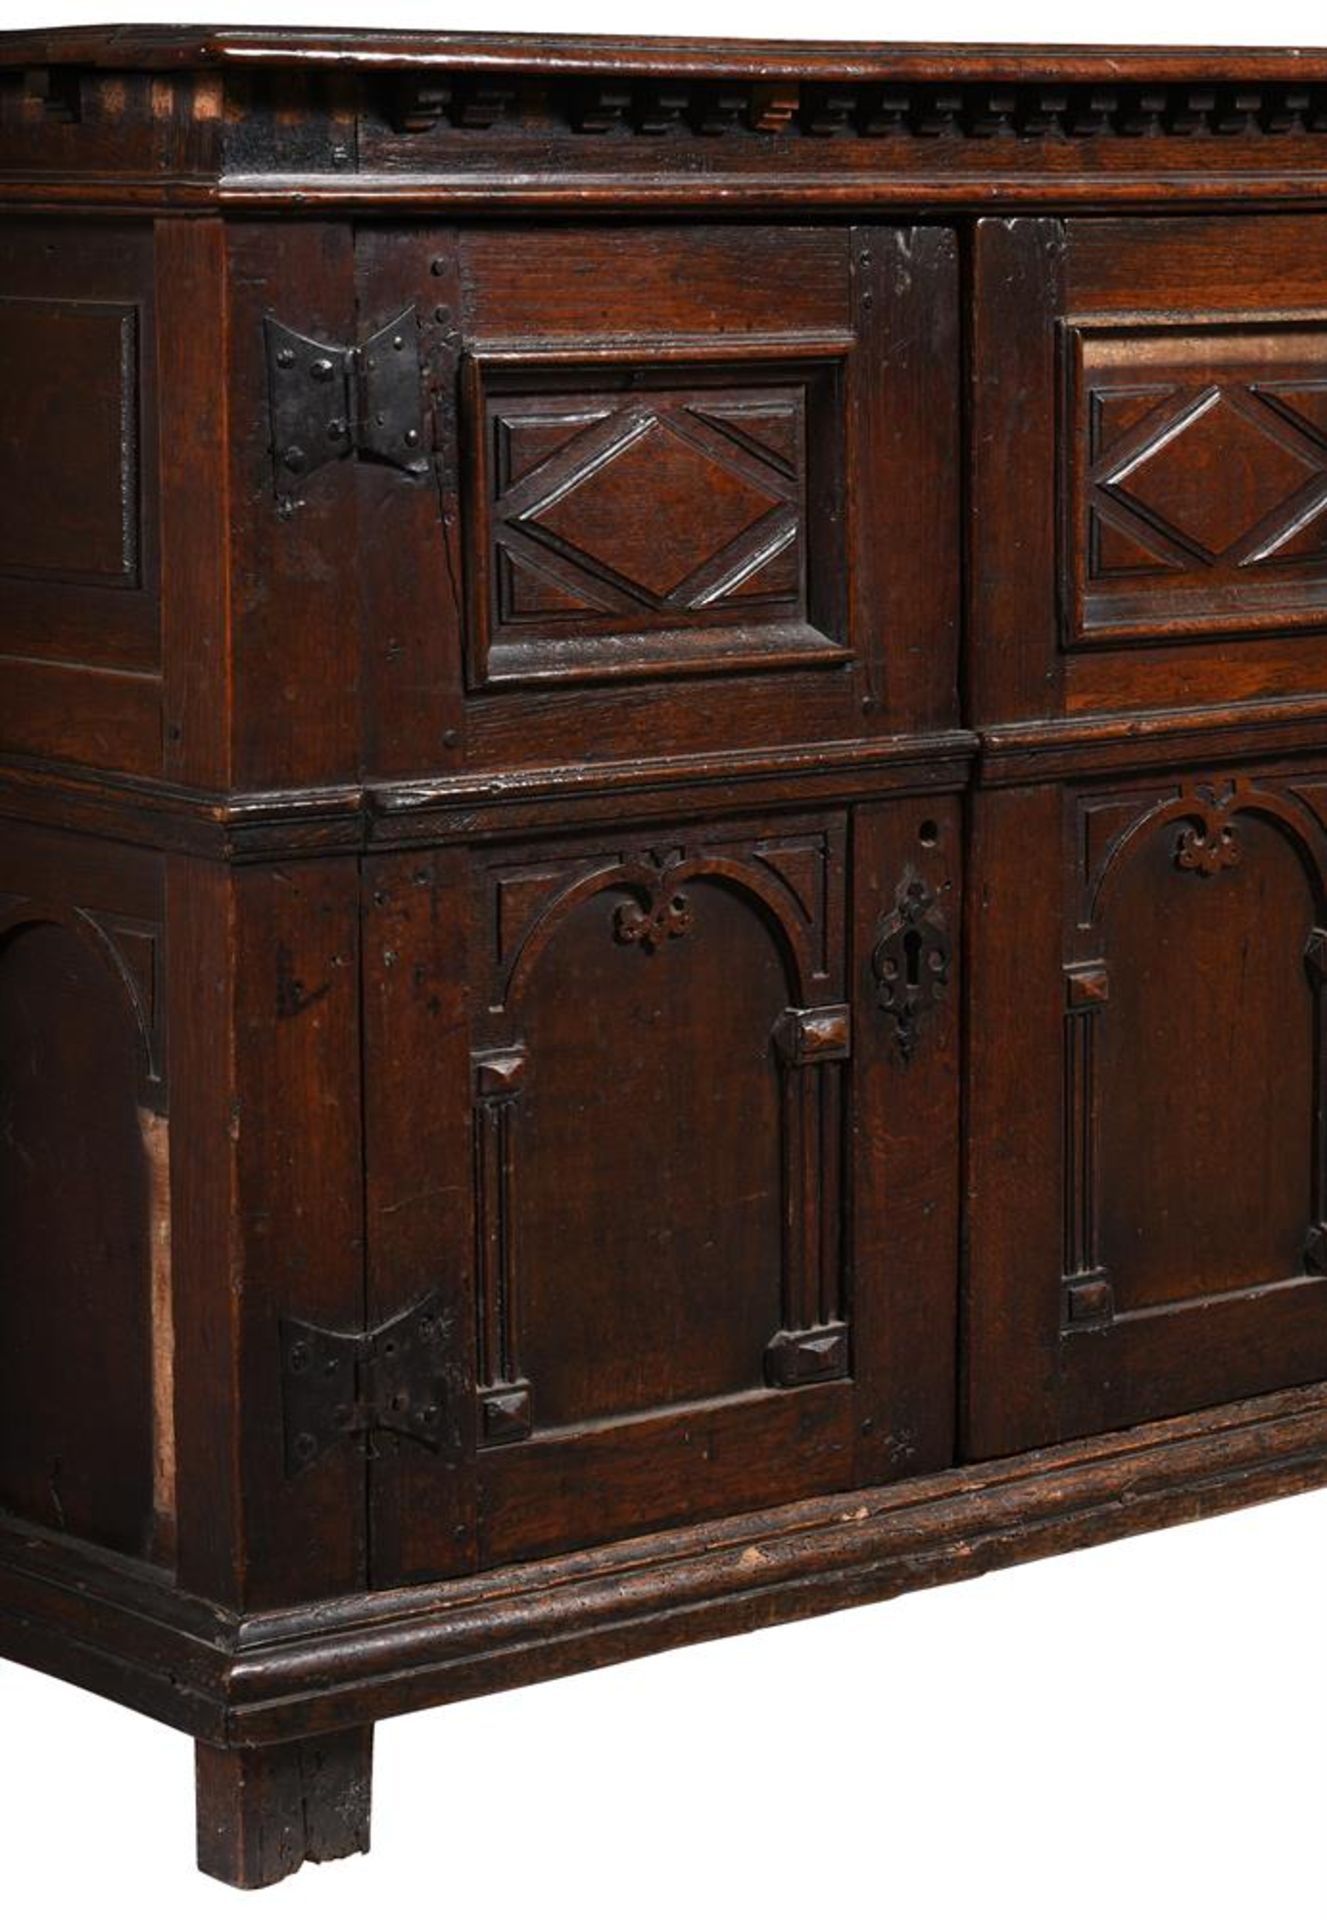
column 397, row 342
column 322, row 369
column 412, row 437
column 305, row 1446
column 439, row 266
column 286, row 357
column 295, row 459
column 336, row 429
column 299, row 1358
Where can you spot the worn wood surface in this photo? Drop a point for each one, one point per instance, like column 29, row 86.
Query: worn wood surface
column 122, row 1629
column 262, row 1814
column 663, row 901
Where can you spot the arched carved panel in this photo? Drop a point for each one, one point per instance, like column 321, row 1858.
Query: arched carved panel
column 1207, row 1070
column 1206, row 812
column 788, row 878
column 76, row 1265
column 1192, row 1141
column 675, row 1008
column 132, row 949
column 640, row 1291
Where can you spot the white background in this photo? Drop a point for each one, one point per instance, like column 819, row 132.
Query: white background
column 1134, row 1733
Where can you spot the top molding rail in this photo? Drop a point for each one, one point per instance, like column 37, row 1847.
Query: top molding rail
column 191, row 118
column 160, row 48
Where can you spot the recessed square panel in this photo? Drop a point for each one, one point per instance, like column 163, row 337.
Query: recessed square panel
column 68, row 448
column 645, row 519
column 1196, row 480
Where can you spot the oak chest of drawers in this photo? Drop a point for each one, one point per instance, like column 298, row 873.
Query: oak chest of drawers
column 663, row 751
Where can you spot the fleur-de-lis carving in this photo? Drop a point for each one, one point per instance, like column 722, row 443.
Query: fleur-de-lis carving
column 1207, row 844
column 911, row 960
column 660, row 914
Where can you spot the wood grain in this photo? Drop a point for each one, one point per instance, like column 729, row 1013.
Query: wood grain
column 745, row 935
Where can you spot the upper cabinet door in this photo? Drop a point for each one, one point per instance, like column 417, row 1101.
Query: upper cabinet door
column 1150, row 488
column 697, row 489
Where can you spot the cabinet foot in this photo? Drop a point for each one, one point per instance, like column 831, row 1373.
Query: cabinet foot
column 264, row 1811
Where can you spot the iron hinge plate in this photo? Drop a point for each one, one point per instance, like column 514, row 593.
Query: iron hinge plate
column 329, row 402
column 390, row 1378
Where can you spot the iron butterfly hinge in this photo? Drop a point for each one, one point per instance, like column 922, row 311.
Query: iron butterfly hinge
column 390, row 1378
column 330, row 402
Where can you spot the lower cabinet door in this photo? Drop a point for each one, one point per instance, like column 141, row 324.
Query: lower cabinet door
column 666, row 1119
column 1146, row 1160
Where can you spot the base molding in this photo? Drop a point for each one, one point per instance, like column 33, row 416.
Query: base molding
column 121, row 1630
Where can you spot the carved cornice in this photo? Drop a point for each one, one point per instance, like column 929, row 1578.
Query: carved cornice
column 672, row 105
column 423, row 120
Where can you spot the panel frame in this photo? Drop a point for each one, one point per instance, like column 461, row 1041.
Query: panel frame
column 1265, row 609
column 815, row 634
column 81, row 658
column 128, row 573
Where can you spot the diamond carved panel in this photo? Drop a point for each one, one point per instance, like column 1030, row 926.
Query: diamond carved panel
column 1216, row 476
column 1197, row 481
column 657, row 524
column 656, row 512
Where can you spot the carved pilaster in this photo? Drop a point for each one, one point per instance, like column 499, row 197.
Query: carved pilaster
column 1088, row 1296
column 813, row 1341
column 1315, row 962
column 504, row 1397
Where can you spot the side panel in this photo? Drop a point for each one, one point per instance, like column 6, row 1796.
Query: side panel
column 80, row 647
column 86, row 1430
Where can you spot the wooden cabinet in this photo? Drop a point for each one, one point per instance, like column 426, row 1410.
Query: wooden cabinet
column 663, row 745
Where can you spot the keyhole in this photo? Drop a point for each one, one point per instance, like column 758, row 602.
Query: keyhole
column 912, row 957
